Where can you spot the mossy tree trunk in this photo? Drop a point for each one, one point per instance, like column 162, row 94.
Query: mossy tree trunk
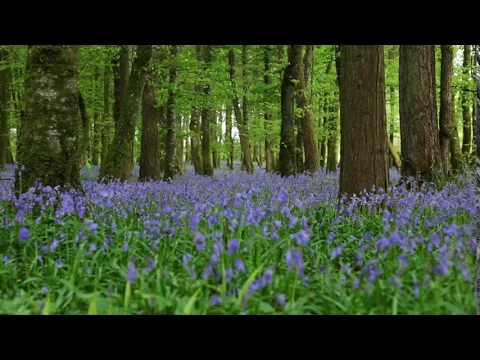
column 418, row 112
column 106, row 114
column 5, row 78
column 449, row 143
column 119, row 153
column 96, row 125
column 50, row 145
column 207, row 114
column 287, row 132
column 364, row 154
column 171, row 167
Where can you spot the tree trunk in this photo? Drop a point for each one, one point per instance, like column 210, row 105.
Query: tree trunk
column 333, row 121
column 418, row 112
column 312, row 161
column 213, row 134
column 85, row 128
column 467, row 120
column 179, row 150
column 447, row 135
column 287, row 132
column 206, row 114
column 50, row 146
column 364, row 157
column 299, row 165
column 228, row 135
column 119, row 153
column 393, row 153
column 239, row 117
column 5, row 78
column 268, row 117
column 106, row 114
column 150, row 143
column 171, row 155
column 96, row 125
column 246, row 111
column 392, row 125
column 121, row 74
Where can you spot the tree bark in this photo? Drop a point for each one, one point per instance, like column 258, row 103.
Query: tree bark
column 312, row 161
column 287, row 132
column 418, row 112
column 448, row 136
column 171, row 154
column 121, row 72
column 119, row 153
column 332, row 122
column 195, row 143
column 50, row 145
column 5, row 78
column 150, row 143
column 239, row 117
column 85, row 128
column 179, row 150
column 96, row 125
column 467, row 120
column 229, row 137
column 106, row 114
column 206, row 114
column 364, row 157
column 268, row 117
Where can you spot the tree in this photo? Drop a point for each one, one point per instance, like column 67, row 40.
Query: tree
column 119, row 152
column 287, row 132
column 467, row 119
column 206, row 115
column 171, row 154
column 50, row 145
column 5, row 78
column 418, row 112
column 449, row 143
column 364, row 156
column 269, row 156
column 195, row 145
column 332, row 122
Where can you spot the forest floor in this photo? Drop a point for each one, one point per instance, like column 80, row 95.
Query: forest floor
column 238, row 244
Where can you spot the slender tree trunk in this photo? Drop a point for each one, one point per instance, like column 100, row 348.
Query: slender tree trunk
column 333, row 121
column 364, row 157
column 246, row 111
column 268, row 117
column 394, row 155
column 287, row 132
column 180, row 137
column 106, row 114
column 171, row 156
column 392, row 123
column 239, row 117
column 96, row 125
column 467, row 120
column 85, row 128
column 448, row 136
column 51, row 139
column 150, row 144
column 299, row 164
column 213, row 134
column 5, row 78
column 229, row 137
column 418, row 112
column 312, row 161
column 119, row 154
column 206, row 115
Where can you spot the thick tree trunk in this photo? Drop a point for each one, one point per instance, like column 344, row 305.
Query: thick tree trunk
column 418, row 112
column 299, row 164
column 364, row 154
column 120, row 67
column 206, row 115
column 467, row 120
column 5, row 78
column 150, row 143
column 179, row 150
column 312, row 161
column 106, row 114
column 246, row 111
column 195, row 139
column 239, row 117
column 171, row 154
column 50, row 146
column 287, row 132
column 96, row 126
column 449, row 143
column 119, row 153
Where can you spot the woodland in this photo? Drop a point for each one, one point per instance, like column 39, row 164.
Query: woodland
column 238, row 179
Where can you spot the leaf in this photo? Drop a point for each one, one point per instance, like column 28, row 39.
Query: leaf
column 188, row 308
column 92, row 309
column 266, row 308
column 245, row 286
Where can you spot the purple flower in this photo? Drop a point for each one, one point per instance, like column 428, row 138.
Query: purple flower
column 93, row 227
column 336, row 252
column 228, row 275
column 302, row 238
column 93, row 247
column 125, row 247
column 6, row 259
column 268, row 277
column 294, row 259
column 89, row 270
column 207, row 272
column 239, row 265
column 402, row 259
column 281, row 299
column 23, row 234
column 53, row 245
column 199, row 240
column 232, row 246
column 44, row 290
column 132, row 273
column 215, row 300
column 58, row 263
